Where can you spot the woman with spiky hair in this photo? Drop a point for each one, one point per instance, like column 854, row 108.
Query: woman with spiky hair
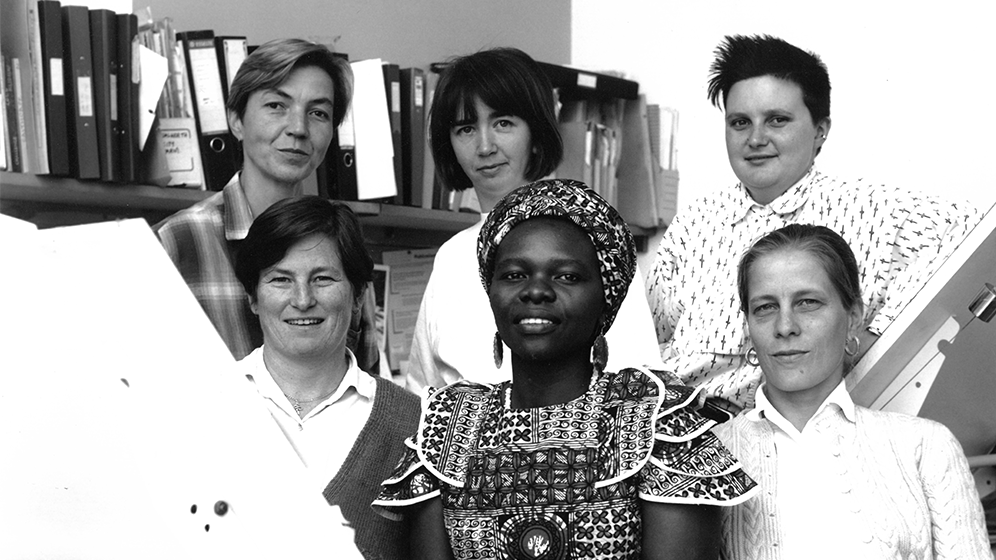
column 776, row 98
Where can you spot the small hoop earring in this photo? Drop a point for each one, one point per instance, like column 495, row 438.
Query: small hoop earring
column 600, row 353
column 751, row 352
column 499, row 350
column 857, row 346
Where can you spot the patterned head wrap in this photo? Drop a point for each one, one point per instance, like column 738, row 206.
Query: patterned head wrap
column 614, row 244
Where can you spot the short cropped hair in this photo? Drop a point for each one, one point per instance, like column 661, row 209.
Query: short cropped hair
column 826, row 245
column 290, row 220
column 271, row 63
column 510, row 82
column 741, row 57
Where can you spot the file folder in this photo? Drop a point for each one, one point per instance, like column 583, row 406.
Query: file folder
column 129, row 76
column 232, row 51
column 104, row 53
column 217, row 143
column 412, row 135
column 392, row 90
column 82, row 129
column 50, row 27
column 344, row 145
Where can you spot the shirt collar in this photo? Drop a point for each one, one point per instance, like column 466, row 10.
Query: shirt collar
column 764, row 410
column 238, row 214
column 791, row 200
column 356, row 379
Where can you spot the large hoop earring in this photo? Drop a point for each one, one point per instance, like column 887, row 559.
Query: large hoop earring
column 499, row 350
column 600, row 353
column 857, row 345
column 751, row 352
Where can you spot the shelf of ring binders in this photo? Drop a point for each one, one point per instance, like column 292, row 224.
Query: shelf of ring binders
column 127, row 200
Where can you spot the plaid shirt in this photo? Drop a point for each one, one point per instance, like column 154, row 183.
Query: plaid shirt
column 201, row 241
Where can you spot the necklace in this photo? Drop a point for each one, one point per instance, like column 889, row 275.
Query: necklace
column 298, row 408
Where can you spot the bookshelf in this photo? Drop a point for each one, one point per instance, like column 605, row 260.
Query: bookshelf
column 581, row 84
column 21, row 191
column 53, row 201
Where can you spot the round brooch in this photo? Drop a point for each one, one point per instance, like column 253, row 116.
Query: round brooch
column 539, row 536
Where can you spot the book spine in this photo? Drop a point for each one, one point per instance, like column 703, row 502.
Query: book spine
column 10, row 107
column 21, row 126
column 39, row 130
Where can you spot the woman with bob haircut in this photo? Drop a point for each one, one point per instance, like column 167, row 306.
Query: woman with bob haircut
column 493, row 126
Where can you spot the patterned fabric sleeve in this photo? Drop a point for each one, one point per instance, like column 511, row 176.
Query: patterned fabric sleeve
column 662, row 283
column 931, row 230
column 410, row 483
column 689, row 465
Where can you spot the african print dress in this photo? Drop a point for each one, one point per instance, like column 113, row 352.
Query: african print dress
column 561, row 481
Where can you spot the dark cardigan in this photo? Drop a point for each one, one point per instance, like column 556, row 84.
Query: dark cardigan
column 375, row 454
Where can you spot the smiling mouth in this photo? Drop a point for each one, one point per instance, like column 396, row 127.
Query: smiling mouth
column 490, row 168
column 535, row 325
column 535, row 321
column 304, row 322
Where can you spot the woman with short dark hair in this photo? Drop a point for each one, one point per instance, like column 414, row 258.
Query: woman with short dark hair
column 493, row 128
column 305, row 267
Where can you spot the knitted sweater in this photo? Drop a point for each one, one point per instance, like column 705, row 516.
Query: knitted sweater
column 379, row 447
column 908, row 482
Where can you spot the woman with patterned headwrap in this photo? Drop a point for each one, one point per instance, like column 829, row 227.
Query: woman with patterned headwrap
column 565, row 460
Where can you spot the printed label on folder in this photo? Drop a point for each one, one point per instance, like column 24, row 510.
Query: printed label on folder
column 587, row 80
column 207, row 85
column 85, row 97
column 419, row 89
column 55, row 67
column 114, row 98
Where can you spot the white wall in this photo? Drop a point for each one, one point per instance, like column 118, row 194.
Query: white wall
column 909, row 83
column 403, row 32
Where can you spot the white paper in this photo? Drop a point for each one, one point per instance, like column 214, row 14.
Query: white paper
column 155, row 70
column 372, row 131
column 120, row 412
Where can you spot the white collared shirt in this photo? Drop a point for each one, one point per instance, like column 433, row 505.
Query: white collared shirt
column 813, row 507
column 325, row 436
